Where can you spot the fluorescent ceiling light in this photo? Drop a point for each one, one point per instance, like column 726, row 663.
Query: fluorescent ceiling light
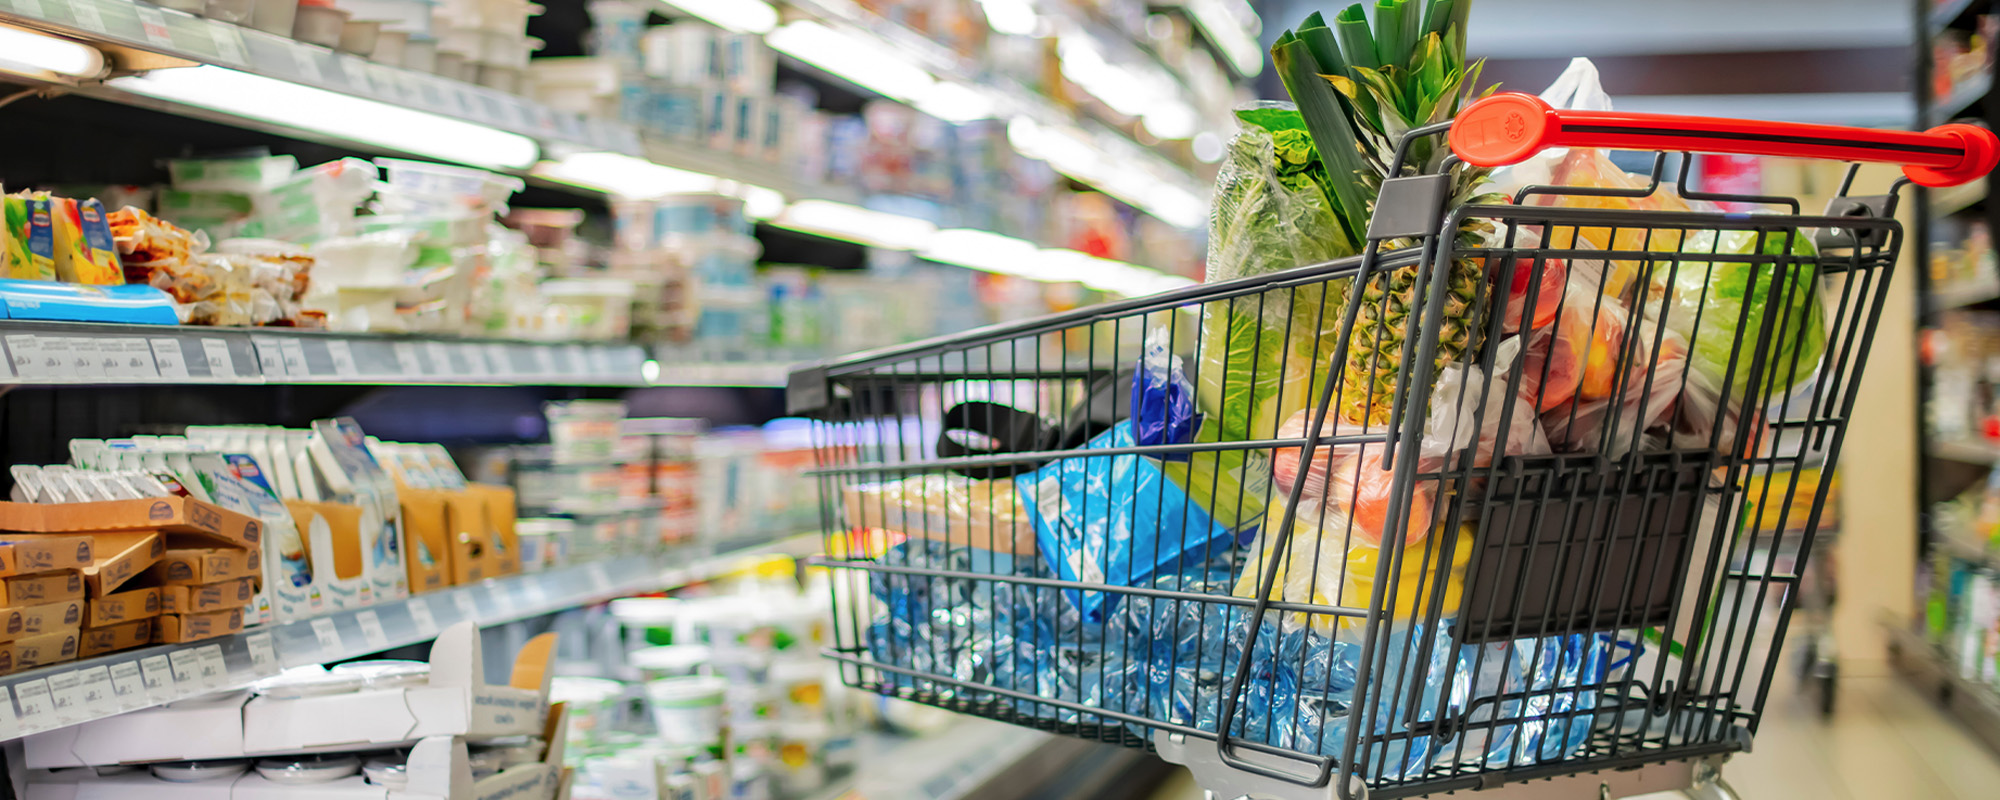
column 1014, row 17
column 624, row 176
column 862, row 60
column 1106, row 275
column 955, row 102
column 856, row 224
column 304, row 108
column 26, row 51
column 759, row 203
column 1132, row 176
column 741, row 16
column 986, row 251
column 1224, row 21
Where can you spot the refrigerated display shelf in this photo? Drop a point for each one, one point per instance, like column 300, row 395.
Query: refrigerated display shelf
column 1970, row 451
column 1957, row 198
column 1960, row 99
column 73, row 353
column 1948, row 297
column 66, row 694
column 1974, row 703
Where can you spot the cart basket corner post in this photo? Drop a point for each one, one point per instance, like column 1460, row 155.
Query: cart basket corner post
column 1461, row 510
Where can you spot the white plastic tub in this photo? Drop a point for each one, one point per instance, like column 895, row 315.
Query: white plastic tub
column 410, row 16
column 449, row 64
column 420, row 53
column 505, row 79
column 358, row 37
column 426, row 178
column 389, row 47
column 687, row 710
column 320, row 25
column 275, row 16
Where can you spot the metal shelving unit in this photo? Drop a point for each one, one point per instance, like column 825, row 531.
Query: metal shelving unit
column 75, row 692
column 1973, row 703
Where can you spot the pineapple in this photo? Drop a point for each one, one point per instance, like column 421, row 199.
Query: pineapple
column 1384, row 103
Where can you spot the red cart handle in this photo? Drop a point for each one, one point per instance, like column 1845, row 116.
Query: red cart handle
column 1510, row 127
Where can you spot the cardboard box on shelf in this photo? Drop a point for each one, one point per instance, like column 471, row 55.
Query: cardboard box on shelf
column 176, row 628
column 42, row 650
column 25, row 553
column 112, row 638
column 189, row 599
column 470, row 552
column 124, row 605
column 46, row 587
column 426, row 538
column 120, row 556
column 500, row 516
column 25, row 621
column 207, row 565
column 164, row 514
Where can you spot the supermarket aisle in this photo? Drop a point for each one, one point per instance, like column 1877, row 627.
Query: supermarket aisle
column 1884, row 741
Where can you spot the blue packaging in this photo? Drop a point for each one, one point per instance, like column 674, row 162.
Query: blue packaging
column 1116, row 520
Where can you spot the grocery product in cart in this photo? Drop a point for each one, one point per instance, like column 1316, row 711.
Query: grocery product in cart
column 1492, row 542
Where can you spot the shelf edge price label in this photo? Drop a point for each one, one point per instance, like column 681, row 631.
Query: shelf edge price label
column 293, row 352
column 128, row 686
column 220, row 365
column 167, row 358
column 307, row 63
column 66, row 696
column 355, row 71
column 440, row 359
column 467, row 609
column 498, row 361
column 100, row 698
column 135, row 357
column 10, row 726
column 342, row 353
column 186, row 665
column 599, row 577
column 154, row 25
column 474, row 357
column 24, row 351
column 420, row 614
column 159, row 675
column 408, row 365
column 228, row 43
column 263, row 654
column 270, row 355
column 38, row 711
column 371, row 629
column 214, row 670
column 330, row 645
column 87, row 16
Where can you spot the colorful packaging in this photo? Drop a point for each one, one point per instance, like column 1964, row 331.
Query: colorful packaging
column 30, row 240
column 77, row 258
column 104, row 265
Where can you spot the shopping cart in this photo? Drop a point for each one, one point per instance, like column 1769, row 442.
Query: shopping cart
column 1384, row 526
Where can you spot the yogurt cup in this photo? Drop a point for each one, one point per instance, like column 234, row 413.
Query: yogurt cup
column 688, row 710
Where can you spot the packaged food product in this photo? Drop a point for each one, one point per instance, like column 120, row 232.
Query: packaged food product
column 31, row 247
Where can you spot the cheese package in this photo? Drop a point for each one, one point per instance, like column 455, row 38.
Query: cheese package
column 46, row 587
column 112, row 638
column 31, row 248
column 25, row 621
column 84, row 252
column 173, row 628
column 183, row 599
column 27, row 553
column 53, row 647
column 124, row 606
column 207, row 565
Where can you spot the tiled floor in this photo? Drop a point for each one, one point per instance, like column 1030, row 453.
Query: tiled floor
column 1884, row 741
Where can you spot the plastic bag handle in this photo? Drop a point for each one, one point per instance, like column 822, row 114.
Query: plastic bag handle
column 1510, row 127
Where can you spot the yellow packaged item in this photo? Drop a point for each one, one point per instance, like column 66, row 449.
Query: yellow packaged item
column 30, row 238
column 83, row 247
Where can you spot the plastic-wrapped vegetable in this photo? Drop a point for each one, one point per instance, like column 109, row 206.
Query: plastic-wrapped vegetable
column 1504, row 424
column 1716, row 304
column 1578, row 355
column 1652, row 388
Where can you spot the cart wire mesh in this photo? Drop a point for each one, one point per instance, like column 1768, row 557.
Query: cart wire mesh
column 1467, row 508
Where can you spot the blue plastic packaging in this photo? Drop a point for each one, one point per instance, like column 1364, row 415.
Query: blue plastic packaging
column 1115, row 520
column 1162, row 398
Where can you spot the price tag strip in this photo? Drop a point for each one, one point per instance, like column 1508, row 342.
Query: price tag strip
column 371, row 630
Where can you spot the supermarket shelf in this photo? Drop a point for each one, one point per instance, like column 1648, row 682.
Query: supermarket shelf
column 1971, row 552
column 73, row 353
column 1966, row 450
column 769, row 375
column 1962, row 296
column 67, row 694
column 1974, row 703
column 1945, row 12
column 1957, row 198
column 146, row 27
column 1962, row 97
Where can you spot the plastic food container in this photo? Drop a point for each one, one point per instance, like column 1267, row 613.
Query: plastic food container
column 420, row 54
column 319, row 24
column 387, row 673
column 198, row 771
column 311, row 680
column 358, row 37
column 670, row 661
column 505, row 79
column 687, row 710
column 800, row 684
column 389, row 47
column 425, row 178
column 647, row 619
column 236, row 11
column 597, row 308
column 390, row 774
column 592, row 703
column 449, row 64
column 371, row 260
column 409, row 16
column 275, row 16
column 308, row 769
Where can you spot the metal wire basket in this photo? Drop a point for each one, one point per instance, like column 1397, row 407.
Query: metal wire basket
column 1423, row 520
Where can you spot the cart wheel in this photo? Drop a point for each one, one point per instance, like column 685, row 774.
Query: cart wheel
column 1808, row 658
column 1717, row 789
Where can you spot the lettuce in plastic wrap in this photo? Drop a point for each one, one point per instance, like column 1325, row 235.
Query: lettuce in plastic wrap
column 1706, row 301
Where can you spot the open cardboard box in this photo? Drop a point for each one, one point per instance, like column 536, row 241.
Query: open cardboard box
column 165, row 514
column 336, row 549
column 500, row 517
column 456, row 702
column 120, row 555
column 440, row 768
column 427, row 539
